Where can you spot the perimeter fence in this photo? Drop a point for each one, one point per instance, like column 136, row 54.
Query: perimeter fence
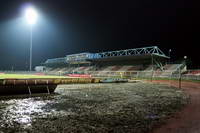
column 175, row 77
column 192, row 75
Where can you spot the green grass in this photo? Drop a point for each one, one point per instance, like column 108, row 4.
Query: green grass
column 26, row 76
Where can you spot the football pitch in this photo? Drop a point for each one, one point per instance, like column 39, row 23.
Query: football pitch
column 27, row 76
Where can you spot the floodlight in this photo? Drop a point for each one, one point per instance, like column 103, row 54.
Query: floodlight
column 31, row 15
column 185, row 57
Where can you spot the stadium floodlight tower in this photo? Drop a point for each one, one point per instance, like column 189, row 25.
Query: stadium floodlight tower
column 31, row 18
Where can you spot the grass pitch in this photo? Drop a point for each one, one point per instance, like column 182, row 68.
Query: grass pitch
column 27, row 76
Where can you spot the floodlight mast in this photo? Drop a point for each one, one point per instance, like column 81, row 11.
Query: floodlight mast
column 31, row 46
column 31, row 18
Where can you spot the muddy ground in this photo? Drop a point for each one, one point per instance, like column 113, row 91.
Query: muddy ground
column 121, row 107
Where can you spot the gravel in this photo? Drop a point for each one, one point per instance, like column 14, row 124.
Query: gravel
column 119, row 107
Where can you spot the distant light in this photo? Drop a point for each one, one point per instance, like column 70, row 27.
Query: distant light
column 170, row 50
column 31, row 15
column 185, row 57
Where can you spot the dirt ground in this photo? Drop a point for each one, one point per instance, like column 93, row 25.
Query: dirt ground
column 88, row 108
column 187, row 120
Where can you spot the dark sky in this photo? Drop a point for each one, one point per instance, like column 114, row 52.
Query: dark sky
column 72, row 26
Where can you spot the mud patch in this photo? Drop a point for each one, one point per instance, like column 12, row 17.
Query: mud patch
column 124, row 107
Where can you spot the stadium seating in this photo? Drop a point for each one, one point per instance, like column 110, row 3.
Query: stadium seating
column 193, row 72
column 137, row 70
column 116, row 68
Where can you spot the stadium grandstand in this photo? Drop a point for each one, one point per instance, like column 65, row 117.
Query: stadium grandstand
column 121, row 62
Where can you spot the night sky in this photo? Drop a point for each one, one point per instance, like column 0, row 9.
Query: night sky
column 73, row 26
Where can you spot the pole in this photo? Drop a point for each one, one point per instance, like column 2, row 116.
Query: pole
column 179, row 78
column 31, row 45
column 152, row 67
column 152, row 61
column 169, row 55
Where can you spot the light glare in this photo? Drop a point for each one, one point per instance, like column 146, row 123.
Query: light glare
column 31, row 15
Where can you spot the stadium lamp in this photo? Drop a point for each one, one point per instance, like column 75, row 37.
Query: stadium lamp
column 31, row 17
column 185, row 57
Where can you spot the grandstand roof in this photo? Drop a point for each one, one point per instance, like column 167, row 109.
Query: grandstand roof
column 130, row 57
column 153, row 50
column 128, row 54
column 79, row 54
